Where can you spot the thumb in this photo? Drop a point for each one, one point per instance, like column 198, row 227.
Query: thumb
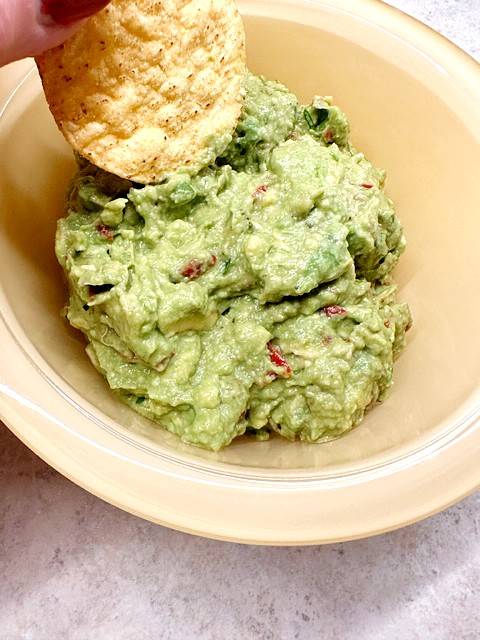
column 29, row 27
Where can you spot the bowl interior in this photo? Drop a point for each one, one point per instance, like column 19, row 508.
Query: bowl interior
column 410, row 116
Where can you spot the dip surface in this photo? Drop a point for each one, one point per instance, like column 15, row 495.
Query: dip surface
column 254, row 296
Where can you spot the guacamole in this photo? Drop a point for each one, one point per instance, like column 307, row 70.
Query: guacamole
column 254, row 296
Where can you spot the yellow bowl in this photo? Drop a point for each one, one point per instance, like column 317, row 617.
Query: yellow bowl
column 412, row 98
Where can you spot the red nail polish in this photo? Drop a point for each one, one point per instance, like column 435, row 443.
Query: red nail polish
column 68, row 11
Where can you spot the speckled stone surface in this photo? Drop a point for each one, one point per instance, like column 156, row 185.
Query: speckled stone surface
column 75, row 568
column 458, row 20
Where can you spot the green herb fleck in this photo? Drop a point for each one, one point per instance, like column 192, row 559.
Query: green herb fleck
column 308, row 117
column 227, row 265
column 315, row 117
column 322, row 115
column 183, row 193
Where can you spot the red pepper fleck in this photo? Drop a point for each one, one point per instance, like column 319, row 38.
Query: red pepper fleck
column 334, row 310
column 367, row 185
column 329, row 135
column 105, row 231
column 387, row 323
column 196, row 268
column 279, row 360
column 259, row 191
column 164, row 362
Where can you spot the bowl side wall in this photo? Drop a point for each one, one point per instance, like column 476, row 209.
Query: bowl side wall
column 410, row 120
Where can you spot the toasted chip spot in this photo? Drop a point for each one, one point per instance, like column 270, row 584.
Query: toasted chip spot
column 147, row 87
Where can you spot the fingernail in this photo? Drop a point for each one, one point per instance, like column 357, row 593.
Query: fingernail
column 68, row 11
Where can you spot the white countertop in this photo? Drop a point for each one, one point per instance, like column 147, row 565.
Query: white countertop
column 73, row 567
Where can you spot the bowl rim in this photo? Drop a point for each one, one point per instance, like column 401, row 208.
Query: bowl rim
column 56, row 439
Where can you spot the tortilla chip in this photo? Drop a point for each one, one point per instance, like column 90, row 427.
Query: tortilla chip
column 146, row 87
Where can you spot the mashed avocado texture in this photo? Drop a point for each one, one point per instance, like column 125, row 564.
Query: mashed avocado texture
column 252, row 297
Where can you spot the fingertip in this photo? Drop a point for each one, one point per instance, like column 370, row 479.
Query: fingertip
column 30, row 27
column 66, row 12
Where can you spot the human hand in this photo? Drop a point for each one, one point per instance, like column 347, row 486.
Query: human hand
column 29, row 27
